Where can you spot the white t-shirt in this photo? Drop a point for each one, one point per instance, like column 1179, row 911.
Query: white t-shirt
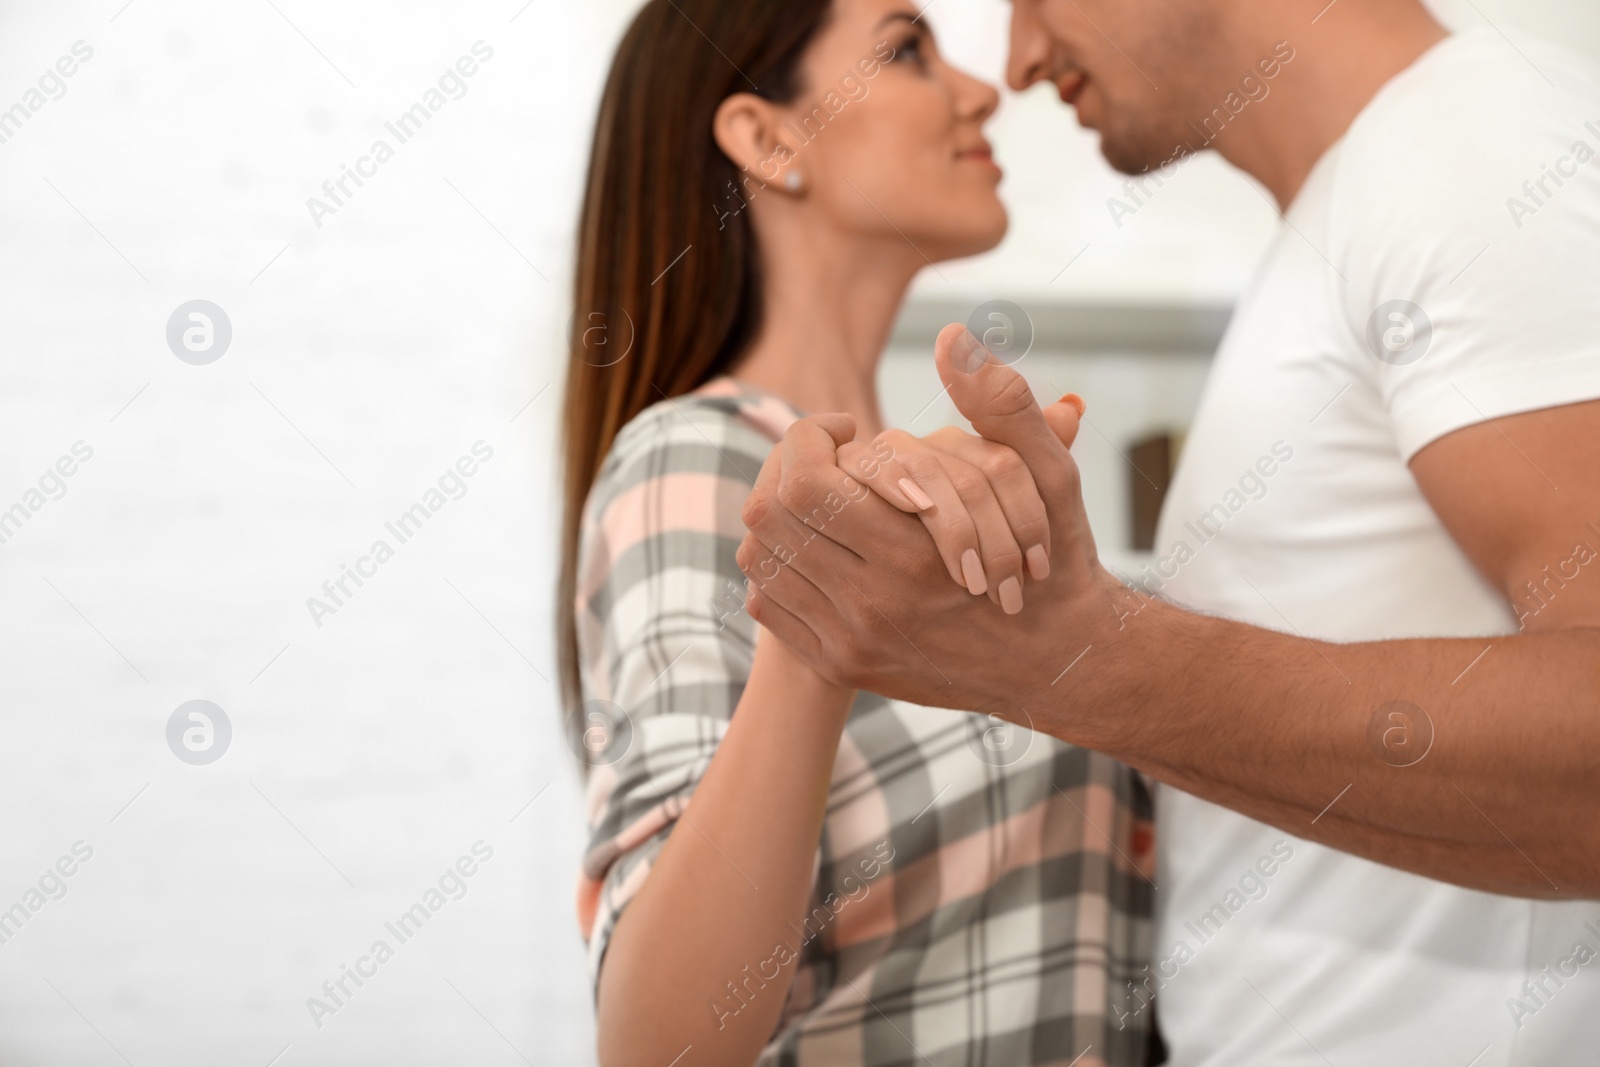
column 1297, row 512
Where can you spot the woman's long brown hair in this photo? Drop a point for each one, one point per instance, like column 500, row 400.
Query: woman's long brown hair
column 667, row 268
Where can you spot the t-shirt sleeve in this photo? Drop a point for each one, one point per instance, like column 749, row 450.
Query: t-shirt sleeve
column 1473, row 215
column 665, row 647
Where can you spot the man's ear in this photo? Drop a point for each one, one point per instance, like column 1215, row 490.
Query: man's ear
column 748, row 130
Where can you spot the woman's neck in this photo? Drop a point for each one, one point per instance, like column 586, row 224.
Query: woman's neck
column 828, row 311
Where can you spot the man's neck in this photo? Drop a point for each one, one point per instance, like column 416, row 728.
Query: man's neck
column 1341, row 62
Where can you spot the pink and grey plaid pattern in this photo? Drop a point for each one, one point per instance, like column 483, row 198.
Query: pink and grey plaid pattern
column 971, row 906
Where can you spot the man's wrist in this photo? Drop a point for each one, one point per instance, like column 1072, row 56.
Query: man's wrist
column 1118, row 690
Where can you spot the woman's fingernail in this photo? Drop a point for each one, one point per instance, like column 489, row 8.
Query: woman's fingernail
column 1076, row 401
column 1011, row 596
column 914, row 491
column 1038, row 563
column 972, row 569
column 969, row 354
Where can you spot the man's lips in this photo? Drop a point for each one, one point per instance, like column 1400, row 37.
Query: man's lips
column 1070, row 86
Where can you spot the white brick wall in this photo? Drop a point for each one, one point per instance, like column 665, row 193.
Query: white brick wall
column 370, row 354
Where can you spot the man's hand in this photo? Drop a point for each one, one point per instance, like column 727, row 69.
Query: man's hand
column 861, row 589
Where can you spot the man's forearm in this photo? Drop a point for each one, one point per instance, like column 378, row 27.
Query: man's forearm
column 1467, row 760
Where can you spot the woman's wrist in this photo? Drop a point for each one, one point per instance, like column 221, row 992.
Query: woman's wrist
column 798, row 678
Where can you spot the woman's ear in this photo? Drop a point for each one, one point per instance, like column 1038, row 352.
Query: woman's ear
column 747, row 129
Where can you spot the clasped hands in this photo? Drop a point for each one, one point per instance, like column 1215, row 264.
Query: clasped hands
column 873, row 559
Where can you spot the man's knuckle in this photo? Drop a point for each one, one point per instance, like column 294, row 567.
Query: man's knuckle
column 803, row 490
column 755, row 509
column 1013, row 397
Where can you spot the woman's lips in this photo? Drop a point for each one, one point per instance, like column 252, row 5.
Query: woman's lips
column 982, row 155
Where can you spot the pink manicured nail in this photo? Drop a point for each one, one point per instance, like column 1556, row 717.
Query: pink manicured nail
column 911, row 489
column 1038, row 563
column 1011, row 596
column 972, row 569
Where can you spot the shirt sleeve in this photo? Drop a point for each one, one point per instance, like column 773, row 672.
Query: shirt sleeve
column 665, row 647
column 1474, row 256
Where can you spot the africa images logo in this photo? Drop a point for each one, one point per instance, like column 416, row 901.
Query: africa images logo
column 1399, row 332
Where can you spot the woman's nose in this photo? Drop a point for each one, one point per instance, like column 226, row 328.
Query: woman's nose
column 977, row 98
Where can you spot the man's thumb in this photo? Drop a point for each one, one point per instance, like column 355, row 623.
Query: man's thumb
column 999, row 403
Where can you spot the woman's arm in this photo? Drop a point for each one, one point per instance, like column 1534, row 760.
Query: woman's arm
column 732, row 876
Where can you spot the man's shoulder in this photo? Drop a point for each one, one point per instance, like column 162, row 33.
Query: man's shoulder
column 1452, row 160
column 1467, row 125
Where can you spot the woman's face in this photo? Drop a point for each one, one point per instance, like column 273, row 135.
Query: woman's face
column 888, row 137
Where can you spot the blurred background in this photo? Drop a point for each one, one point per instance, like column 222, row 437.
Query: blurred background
column 178, row 890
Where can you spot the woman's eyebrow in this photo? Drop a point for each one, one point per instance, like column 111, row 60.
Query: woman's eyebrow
column 895, row 16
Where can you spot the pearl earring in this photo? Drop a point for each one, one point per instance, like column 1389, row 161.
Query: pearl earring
column 792, row 181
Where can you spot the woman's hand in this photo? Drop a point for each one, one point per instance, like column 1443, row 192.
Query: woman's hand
column 977, row 499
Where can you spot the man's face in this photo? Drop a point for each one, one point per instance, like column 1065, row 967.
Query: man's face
column 1135, row 70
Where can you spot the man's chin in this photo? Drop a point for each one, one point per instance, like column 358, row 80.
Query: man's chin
column 1130, row 156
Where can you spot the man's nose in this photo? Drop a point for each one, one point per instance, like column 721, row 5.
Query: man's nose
column 1029, row 57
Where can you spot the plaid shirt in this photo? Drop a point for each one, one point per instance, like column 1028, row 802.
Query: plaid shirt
column 982, row 892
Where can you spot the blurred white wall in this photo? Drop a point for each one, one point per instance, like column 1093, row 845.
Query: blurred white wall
column 368, row 354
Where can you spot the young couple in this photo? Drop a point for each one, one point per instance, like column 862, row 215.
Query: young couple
column 797, row 857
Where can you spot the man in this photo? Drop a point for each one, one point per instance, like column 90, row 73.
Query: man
column 1366, row 663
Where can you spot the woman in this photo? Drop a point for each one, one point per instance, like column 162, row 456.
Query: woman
column 782, row 871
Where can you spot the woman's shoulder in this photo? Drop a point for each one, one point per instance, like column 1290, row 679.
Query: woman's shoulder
column 723, row 430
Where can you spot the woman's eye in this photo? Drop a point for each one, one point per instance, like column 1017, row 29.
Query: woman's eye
column 910, row 48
